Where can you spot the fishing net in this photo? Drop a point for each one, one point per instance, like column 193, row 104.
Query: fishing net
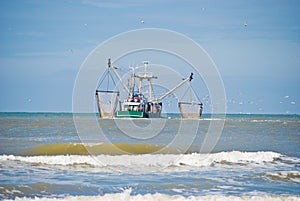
column 190, row 110
column 107, row 102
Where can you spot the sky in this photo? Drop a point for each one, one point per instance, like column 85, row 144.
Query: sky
column 254, row 44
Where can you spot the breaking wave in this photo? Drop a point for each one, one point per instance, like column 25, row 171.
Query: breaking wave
column 126, row 195
column 152, row 162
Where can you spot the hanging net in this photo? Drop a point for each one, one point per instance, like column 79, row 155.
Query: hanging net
column 189, row 106
column 190, row 110
column 107, row 102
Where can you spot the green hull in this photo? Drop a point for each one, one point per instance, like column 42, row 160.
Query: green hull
column 130, row 114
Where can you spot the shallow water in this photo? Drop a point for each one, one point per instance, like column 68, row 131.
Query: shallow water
column 42, row 156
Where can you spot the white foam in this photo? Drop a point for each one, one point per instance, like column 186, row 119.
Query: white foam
column 266, row 120
column 52, row 160
column 229, row 157
column 151, row 162
column 212, row 119
column 126, row 196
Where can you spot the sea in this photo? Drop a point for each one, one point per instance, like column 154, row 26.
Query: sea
column 50, row 156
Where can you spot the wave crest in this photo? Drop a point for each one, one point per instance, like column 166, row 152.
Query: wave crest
column 151, row 162
column 126, row 195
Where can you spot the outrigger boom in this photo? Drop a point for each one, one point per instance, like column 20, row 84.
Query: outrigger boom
column 117, row 74
column 188, row 79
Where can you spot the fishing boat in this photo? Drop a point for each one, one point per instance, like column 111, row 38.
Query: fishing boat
column 137, row 104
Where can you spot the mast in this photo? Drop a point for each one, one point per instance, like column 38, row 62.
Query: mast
column 132, row 83
column 118, row 76
column 148, row 76
column 188, row 79
column 150, row 90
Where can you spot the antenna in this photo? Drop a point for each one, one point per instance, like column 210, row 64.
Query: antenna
column 145, row 65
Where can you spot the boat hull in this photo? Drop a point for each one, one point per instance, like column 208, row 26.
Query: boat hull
column 136, row 114
column 131, row 114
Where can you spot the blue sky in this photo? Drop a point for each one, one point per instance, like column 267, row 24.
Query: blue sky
column 43, row 44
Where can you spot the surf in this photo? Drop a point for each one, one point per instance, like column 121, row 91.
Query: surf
column 155, row 162
column 126, row 194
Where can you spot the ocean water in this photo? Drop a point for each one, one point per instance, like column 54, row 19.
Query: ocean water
column 44, row 157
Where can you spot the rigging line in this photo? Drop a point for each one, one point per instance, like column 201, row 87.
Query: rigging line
column 102, row 78
column 191, row 97
column 107, row 80
column 112, row 78
column 107, row 83
column 184, row 94
column 192, row 94
column 196, row 94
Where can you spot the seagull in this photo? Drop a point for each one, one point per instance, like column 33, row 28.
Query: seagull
column 245, row 23
column 142, row 21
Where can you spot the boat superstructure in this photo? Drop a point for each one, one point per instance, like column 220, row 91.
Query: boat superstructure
column 136, row 104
